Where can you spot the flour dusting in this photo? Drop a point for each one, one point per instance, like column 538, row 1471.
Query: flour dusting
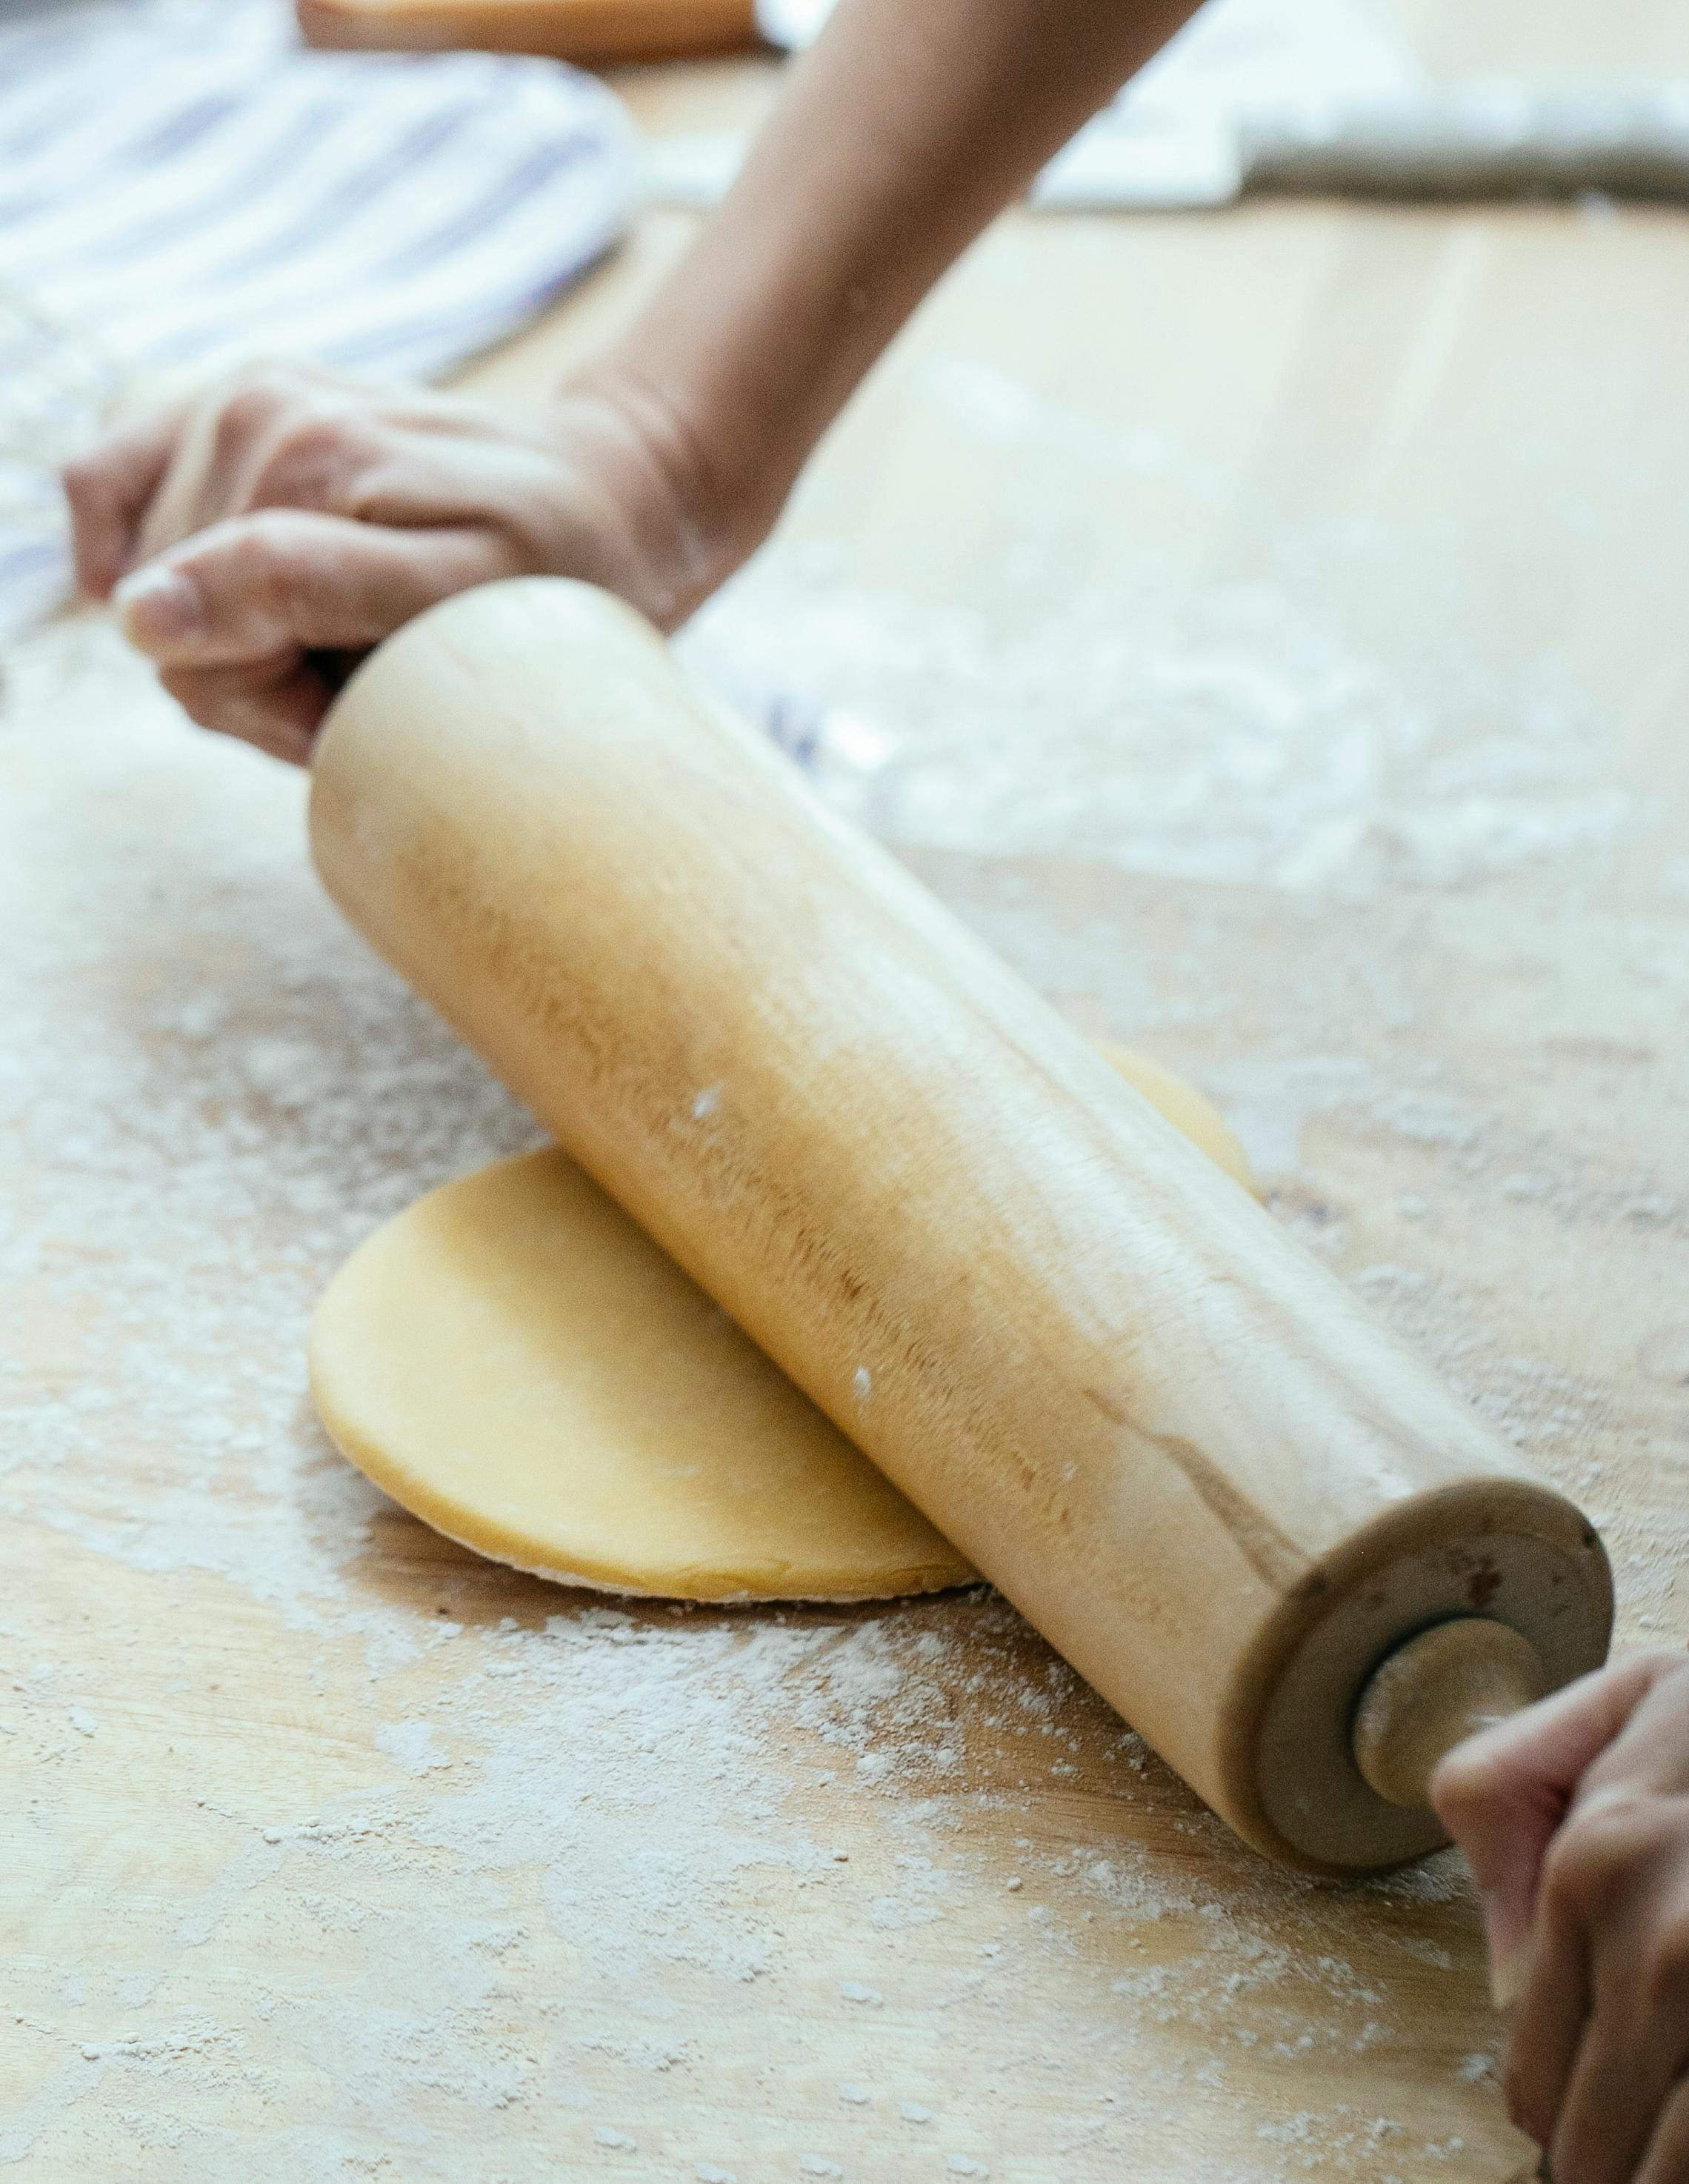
column 449, row 1859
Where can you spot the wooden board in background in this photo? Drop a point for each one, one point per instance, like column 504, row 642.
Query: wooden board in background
column 593, row 33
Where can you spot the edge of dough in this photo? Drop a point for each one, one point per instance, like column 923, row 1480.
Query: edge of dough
column 343, row 1399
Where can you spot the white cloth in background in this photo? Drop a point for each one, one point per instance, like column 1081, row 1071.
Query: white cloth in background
column 181, row 185
column 1317, row 97
column 1233, row 55
column 1170, row 139
column 1172, row 135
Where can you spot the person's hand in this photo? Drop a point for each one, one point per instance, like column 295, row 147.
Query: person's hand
column 1575, row 1815
column 285, row 515
column 288, row 516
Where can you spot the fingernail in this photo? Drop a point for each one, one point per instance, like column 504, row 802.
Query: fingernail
column 159, row 606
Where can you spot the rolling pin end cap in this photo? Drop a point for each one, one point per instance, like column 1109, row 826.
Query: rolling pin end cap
column 1433, row 1692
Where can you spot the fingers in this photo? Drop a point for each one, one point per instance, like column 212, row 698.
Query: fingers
column 233, row 515
column 276, row 436
column 277, row 707
column 1502, row 1795
column 258, row 587
column 109, row 490
column 1667, row 2160
column 1547, row 2026
column 1612, row 2110
column 279, row 438
column 1633, row 2056
column 1652, row 1749
column 230, row 616
column 1575, row 1816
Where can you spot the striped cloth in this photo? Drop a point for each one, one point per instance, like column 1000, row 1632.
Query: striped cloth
column 182, row 188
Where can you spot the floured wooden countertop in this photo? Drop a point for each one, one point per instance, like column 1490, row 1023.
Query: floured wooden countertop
column 1267, row 630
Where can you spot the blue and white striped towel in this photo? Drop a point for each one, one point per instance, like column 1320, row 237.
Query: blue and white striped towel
column 181, row 185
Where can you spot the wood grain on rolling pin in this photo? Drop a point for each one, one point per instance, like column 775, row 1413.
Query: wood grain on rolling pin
column 1173, row 1438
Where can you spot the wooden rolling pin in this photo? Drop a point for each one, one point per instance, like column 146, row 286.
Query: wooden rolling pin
column 1173, row 1438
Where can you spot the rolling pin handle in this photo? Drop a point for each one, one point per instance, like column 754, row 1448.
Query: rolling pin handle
column 1435, row 1690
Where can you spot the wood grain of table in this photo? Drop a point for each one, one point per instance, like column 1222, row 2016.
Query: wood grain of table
column 1274, row 623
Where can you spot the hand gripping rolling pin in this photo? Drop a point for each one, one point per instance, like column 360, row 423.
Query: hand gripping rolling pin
column 1293, row 1562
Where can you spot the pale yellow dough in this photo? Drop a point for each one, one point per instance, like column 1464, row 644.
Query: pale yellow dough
column 515, row 1361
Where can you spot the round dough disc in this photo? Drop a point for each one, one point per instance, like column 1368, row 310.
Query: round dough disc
column 516, row 1363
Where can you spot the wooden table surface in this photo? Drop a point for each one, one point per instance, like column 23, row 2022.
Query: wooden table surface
column 1267, row 629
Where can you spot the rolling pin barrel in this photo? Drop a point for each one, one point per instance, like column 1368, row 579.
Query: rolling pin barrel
column 1173, row 1438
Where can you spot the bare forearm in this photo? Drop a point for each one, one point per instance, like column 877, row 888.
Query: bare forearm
column 256, row 524
column 902, row 134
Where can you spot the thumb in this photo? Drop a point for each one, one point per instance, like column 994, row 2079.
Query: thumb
column 256, row 586
column 1502, row 1794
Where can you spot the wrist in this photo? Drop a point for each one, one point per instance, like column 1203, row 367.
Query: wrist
column 695, row 516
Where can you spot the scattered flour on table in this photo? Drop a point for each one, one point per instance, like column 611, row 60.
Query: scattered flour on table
column 1388, row 793
column 1242, row 741
column 197, row 1129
